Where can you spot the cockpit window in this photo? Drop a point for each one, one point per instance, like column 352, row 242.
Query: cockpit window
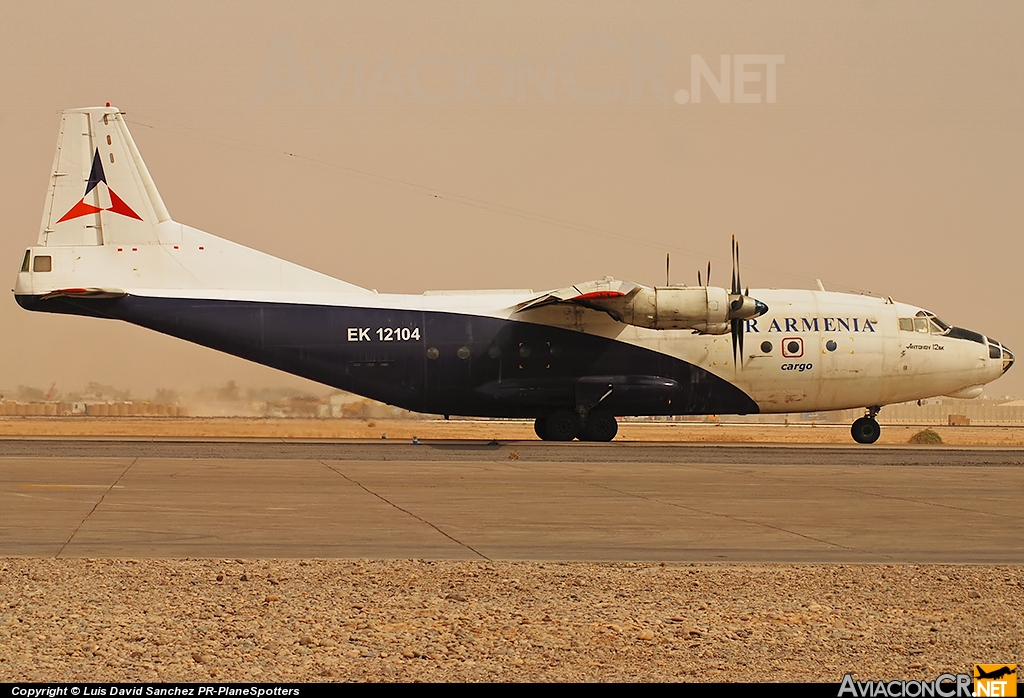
column 923, row 322
column 961, row 333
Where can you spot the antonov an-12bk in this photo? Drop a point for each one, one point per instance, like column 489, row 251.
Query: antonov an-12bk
column 573, row 359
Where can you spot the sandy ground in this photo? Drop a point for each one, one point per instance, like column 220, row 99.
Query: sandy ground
column 502, row 430
column 331, row 620
column 411, row 620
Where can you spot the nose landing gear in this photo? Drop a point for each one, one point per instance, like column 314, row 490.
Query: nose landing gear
column 866, row 430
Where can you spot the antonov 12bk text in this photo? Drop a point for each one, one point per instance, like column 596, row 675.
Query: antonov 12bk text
column 573, row 359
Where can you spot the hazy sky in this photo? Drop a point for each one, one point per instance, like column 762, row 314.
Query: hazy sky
column 425, row 145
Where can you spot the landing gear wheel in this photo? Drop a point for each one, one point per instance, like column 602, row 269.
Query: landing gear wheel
column 540, row 426
column 866, row 430
column 600, row 426
column 563, row 425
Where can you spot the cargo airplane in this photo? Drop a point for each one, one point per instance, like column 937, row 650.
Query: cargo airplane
column 573, row 359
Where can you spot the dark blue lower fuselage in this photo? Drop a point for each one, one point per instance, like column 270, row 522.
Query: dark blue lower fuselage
column 429, row 361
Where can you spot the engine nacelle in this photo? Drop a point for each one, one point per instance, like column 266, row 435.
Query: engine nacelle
column 701, row 308
column 704, row 309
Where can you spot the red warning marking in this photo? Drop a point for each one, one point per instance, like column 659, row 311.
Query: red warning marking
column 596, row 295
column 80, row 209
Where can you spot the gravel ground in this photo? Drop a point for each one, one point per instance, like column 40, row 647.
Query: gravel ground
column 485, row 430
column 338, row 620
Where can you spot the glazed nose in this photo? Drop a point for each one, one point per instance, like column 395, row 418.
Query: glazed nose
column 996, row 350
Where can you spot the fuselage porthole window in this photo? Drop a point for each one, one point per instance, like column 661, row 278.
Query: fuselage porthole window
column 42, row 262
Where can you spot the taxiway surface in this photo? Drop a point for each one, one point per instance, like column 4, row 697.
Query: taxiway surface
column 510, row 501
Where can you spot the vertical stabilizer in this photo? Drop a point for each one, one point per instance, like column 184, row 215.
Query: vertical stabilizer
column 105, row 229
column 100, row 190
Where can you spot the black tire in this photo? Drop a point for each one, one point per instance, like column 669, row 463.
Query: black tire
column 600, row 426
column 563, row 425
column 866, row 430
column 540, row 426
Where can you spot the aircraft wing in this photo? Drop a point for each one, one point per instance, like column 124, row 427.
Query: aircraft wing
column 588, row 294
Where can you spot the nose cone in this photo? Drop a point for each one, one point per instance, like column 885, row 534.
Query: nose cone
column 1007, row 359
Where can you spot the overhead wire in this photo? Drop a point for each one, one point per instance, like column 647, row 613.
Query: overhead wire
column 440, row 194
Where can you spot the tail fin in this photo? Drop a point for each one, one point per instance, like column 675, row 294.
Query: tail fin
column 100, row 190
column 106, row 230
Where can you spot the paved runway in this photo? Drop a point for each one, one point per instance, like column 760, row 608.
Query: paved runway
column 512, row 501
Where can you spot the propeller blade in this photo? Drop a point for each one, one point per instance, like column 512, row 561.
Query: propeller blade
column 737, row 290
column 739, row 332
column 666, row 269
column 709, row 273
column 739, row 284
column 737, row 342
column 737, row 354
column 698, row 278
column 732, row 287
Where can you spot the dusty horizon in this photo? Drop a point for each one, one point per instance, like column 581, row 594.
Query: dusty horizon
column 444, row 145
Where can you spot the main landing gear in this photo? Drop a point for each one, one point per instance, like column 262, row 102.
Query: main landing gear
column 866, row 430
column 566, row 425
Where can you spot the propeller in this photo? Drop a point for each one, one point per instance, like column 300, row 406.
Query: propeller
column 737, row 324
column 708, row 277
column 741, row 306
